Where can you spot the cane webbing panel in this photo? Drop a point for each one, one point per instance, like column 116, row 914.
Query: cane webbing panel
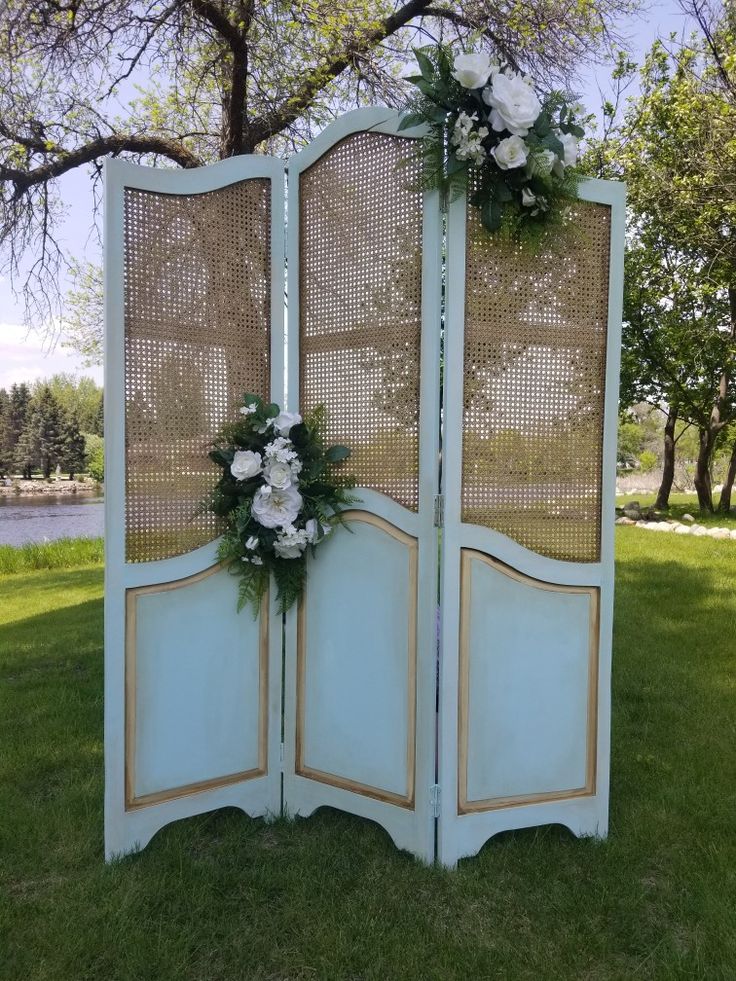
column 197, row 329
column 360, row 275
column 535, row 354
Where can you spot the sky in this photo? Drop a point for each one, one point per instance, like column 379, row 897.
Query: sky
column 28, row 355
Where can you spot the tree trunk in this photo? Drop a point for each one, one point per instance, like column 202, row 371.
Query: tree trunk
column 668, row 468
column 703, row 484
column 725, row 502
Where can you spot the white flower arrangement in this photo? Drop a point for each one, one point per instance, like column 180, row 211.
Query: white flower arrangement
column 280, row 494
column 492, row 133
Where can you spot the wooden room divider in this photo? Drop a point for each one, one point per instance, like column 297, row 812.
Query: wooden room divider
column 447, row 672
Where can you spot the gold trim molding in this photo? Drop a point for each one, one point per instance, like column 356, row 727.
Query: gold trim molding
column 343, row 783
column 465, row 806
column 159, row 797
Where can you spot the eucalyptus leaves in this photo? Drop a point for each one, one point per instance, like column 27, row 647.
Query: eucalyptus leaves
column 493, row 134
column 280, row 494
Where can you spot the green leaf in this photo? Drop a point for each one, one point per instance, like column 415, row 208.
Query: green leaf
column 249, row 399
column 426, row 88
column 425, row 65
column 491, row 214
column 272, row 410
column 299, row 435
column 542, row 126
column 223, row 458
column 502, row 192
column 550, row 142
column 412, row 119
column 336, row 453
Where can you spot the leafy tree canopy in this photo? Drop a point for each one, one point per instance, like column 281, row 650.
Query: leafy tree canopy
column 191, row 81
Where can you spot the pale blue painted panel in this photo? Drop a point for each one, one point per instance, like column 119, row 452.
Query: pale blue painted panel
column 528, row 687
column 357, row 643
column 197, row 685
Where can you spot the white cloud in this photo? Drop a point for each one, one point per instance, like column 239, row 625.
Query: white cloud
column 26, row 356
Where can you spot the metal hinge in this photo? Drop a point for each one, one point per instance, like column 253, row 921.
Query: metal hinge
column 281, row 757
column 435, row 799
column 439, row 510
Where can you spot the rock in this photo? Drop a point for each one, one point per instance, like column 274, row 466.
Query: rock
column 632, row 510
column 732, row 534
column 688, row 517
column 683, row 530
column 719, row 533
column 625, row 521
column 699, row 531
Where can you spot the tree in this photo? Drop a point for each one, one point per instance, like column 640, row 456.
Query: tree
column 96, row 462
column 6, row 456
column 675, row 340
column 40, row 443
column 15, row 422
column 72, row 455
column 80, row 397
column 676, row 150
column 217, row 78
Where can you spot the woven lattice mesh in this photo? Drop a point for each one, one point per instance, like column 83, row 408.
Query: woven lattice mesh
column 535, row 346
column 197, row 327
column 360, row 227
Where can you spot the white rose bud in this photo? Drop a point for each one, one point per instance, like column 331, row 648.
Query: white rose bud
column 570, row 145
column 278, row 474
column 245, row 464
column 528, row 198
column 510, row 153
column 252, row 542
column 472, row 70
column 284, row 421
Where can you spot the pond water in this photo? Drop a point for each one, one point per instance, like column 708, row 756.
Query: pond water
column 35, row 519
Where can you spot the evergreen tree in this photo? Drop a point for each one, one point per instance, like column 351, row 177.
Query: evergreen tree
column 98, row 427
column 25, row 451
column 72, row 446
column 40, row 444
column 6, row 456
column 15, row 423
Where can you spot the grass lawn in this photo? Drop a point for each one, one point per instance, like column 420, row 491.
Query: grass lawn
column 226, row 897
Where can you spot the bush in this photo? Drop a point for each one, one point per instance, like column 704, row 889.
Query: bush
column 647, row 461
column 96, row 463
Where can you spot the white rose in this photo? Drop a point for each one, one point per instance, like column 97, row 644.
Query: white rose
column 514, row 104
column 472, row 70
column 278, row 474
column 570, row 145
column 528, row 198
column 284, row 421
column 275, row 508
column 245, row 464
column 510, row 153
column 252, row 542
column 290, row 543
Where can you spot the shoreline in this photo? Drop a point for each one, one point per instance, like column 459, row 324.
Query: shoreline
column 54, row 488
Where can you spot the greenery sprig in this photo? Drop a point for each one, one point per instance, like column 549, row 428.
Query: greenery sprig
column 492, row 135
column 281, row 493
